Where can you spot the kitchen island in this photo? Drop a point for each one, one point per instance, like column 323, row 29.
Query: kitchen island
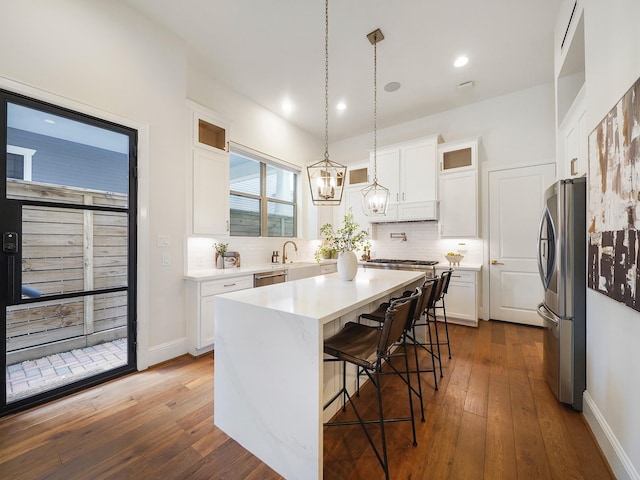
column 270, row 382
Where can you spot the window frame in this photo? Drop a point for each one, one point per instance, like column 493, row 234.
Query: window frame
column 264, row 161
column 27, row 160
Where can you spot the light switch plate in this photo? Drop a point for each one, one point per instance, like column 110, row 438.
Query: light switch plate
column 164, row 241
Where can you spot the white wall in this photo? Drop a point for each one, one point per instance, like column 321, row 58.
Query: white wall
column 612, row 43
column 515, row 130
column 103, row 56
column 252, row 125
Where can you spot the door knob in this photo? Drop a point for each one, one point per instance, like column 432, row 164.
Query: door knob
column 495, row 262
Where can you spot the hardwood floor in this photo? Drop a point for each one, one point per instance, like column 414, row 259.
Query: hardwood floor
column 492, row 417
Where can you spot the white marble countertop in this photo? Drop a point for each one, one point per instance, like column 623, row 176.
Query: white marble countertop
column 326, row 297
column 475, row 267
column 270, row 381
column 213, row 273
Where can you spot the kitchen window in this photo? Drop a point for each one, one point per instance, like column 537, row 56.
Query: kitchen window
column 19, row 161
column 263, row 195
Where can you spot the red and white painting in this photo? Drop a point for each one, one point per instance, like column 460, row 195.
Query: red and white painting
column 614, row 202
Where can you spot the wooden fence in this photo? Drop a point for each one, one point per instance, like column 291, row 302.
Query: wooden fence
column 67, row 250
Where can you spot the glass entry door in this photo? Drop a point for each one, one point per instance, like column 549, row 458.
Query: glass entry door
column 67, row 263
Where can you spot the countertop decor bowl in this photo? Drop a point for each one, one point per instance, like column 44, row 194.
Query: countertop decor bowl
column 454, row 259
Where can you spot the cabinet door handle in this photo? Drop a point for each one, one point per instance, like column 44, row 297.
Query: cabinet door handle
column 496, row 262
column 229, row 285
column 227, row 225
column 397, row 197
column 403, row 196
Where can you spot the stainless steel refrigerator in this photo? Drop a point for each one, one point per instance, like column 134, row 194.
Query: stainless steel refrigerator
column 562, row 266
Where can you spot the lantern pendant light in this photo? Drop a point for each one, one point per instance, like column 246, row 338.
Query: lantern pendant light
column 326, row 178
column 375, row 197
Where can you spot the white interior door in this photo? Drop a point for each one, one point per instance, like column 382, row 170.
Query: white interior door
column 515, row 206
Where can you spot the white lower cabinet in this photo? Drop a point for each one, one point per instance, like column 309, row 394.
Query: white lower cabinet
column 200, row 309
column 328, row 268
column 461, row 300
column 305, row 271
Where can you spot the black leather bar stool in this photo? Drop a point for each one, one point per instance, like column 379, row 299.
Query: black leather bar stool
column 443, row 288
column 429, row 294
column 425, row 299
column 428, row 320
column 368, row 348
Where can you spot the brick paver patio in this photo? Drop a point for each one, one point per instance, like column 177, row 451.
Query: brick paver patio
column 33, row 376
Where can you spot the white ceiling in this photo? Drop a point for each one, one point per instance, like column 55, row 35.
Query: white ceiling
column 273, row 50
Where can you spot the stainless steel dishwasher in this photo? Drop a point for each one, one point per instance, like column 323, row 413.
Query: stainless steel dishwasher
column 269, row 278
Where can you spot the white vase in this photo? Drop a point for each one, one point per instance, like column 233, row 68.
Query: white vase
column 219, row 261
column 347, row 265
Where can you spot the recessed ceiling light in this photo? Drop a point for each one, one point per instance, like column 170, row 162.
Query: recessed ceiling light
column 341, row 106
column 48, row 120
column 461, row 61
column 392, row 86
column 287, row 106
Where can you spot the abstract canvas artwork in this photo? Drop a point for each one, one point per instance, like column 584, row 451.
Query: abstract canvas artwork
column 614, row 202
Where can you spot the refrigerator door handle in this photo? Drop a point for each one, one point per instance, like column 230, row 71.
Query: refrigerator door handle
column 547, row 315
column 546, row 253
column 539, row 245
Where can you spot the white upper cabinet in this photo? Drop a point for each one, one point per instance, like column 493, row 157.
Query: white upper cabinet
column 571, row 104
column 409, row 170
column 358, row 177
column 209, row 192
column 458, row 156
column 352, row 198
column 418, row 169
column 208, row 129
column 459, row 189
column 573, row 140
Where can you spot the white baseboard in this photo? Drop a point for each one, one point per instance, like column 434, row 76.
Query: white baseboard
column 618, row 460
column 167, row 351
column 467, row 322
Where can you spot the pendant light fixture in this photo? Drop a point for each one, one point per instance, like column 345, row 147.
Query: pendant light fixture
column 326, row 178
column 375, row 197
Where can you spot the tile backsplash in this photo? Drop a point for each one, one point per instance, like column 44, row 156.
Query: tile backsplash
column 422, row 243
column 200, row 254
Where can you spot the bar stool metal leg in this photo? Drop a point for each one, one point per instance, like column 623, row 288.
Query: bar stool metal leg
column 358, row 344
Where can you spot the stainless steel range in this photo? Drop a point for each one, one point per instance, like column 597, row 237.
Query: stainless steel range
column 427, row 266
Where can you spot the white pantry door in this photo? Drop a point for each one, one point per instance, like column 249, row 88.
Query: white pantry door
column 516, row 198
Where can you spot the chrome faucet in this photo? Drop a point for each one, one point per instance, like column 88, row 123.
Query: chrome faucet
column 284, row 250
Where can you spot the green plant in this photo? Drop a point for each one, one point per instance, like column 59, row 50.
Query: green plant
column 221, row 248
column 366, row 251
column 325, row 250
column 345, row 239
